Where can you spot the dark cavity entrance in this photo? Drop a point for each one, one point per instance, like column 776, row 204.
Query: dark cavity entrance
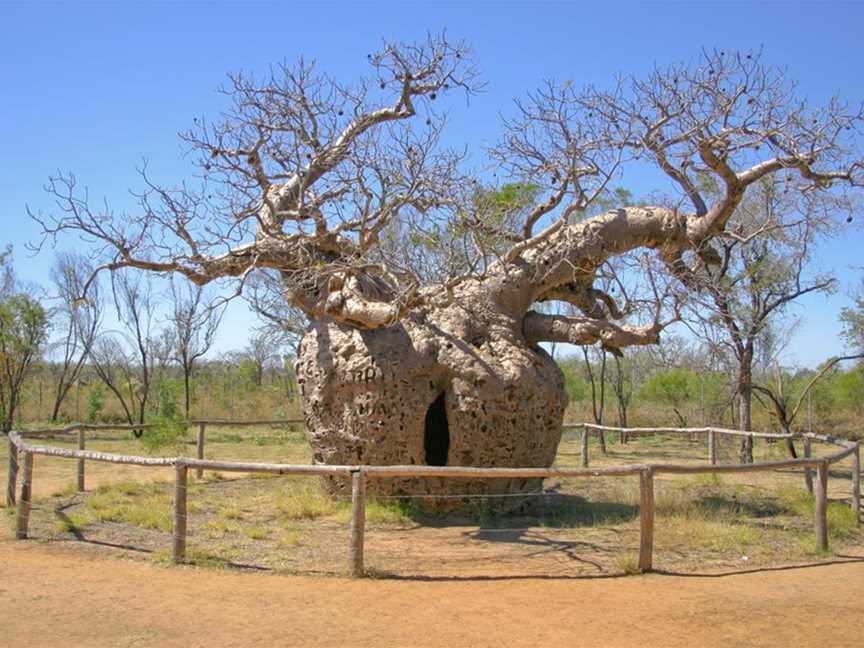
column 436, row 439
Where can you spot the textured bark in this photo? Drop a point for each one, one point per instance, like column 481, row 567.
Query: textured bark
column 366, row 394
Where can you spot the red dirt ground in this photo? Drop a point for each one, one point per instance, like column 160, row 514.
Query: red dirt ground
column 52, row 596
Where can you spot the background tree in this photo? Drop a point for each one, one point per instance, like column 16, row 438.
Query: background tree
column 760, row 270
column 23, row 330
column 785, row 404
column 574, row 384
column 124, row 359
column 849, row 390
column 852, row 319
column 623, row 387
column 193, row 323
column 280, row 320
column 76, row 321
column 595, row 370
column 672, row 388
column 261, row 351
column 7, row 273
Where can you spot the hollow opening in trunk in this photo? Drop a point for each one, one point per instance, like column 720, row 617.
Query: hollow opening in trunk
column 436, row 438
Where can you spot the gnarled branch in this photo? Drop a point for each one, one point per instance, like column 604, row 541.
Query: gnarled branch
column 582, row 331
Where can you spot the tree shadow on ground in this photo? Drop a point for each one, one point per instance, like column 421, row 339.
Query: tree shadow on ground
column 543, row 545
column 758, row 508
column 839, row 559
column 196, row 558
column 549, row 509
column 657, row 573
column 79, row 535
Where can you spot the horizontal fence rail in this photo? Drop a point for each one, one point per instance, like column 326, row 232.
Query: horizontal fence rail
column 359, row 475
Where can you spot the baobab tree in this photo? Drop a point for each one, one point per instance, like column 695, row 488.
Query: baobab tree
column 423, row 347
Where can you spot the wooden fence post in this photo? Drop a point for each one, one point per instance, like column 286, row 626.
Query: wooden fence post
column 822, row 506
column 646, row 519
column 12, row 477
column 856, row 484
column 179, row 553
column 199, row 449
column 712, row 448
column 23, row 521
column 808, row 472
column 358, row 522
column 81, row 446
column 584, row 448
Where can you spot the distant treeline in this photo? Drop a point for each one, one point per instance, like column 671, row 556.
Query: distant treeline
column 646, row 387
column 237, row 388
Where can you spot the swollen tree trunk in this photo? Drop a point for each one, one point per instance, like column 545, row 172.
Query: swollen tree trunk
column 451, row 386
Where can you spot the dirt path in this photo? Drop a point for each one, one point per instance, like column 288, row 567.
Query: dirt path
column 51, row 596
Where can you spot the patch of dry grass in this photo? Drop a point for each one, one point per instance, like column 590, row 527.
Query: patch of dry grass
column 305, row 500
column 627, row 563
column 147, row 506
column 290, row 539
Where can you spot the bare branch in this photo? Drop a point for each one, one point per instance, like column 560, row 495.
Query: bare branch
column 348, row 195
column 538, row 327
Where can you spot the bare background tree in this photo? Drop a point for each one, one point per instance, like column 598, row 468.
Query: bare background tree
column 762, row 270
column 193, row 323
column 262, row 350
column 77, row 322
column 785, row 404
column 622, row 387
column 124, row 360
column 597, row 382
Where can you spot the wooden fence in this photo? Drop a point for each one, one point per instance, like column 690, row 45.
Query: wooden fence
column 359, row 475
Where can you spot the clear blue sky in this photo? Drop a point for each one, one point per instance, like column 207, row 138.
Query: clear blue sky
column 95, row 87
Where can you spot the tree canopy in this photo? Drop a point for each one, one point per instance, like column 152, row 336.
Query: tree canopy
column 304, row 177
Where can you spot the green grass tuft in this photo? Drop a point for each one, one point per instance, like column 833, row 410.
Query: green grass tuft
column 290, row 539
column 257, row 532
column 628, row 563
column 147, row 506
column 69, row 489
column 305, row 500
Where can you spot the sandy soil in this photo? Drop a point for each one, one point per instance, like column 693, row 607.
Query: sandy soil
column 51, row 596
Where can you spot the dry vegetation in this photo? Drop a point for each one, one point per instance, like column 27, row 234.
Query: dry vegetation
column 578, row 527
